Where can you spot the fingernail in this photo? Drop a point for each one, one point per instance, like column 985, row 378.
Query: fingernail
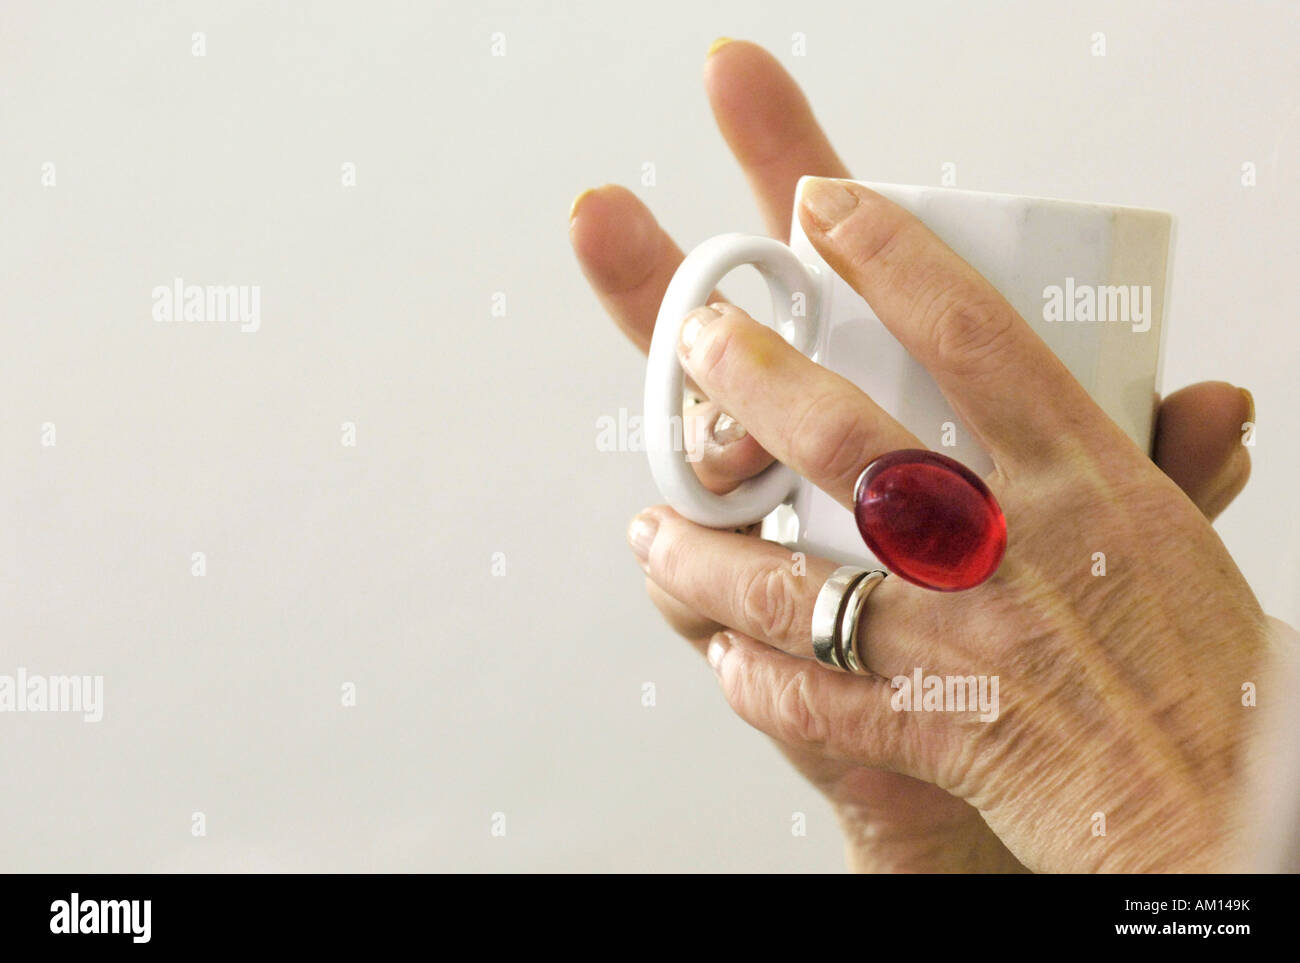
column 716, row 46
column 693, row 324
column 573, row 208
column 1250, row 405
column 641, row 535
column 717, row 651
column 727, row 429
column 828, row 201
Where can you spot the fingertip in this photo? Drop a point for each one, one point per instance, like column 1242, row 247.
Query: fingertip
column 768, row 123
column 613, row 234
column 723, row 467
column 734, row 63
column 1206, row 418
column 718, row 45
column 754, row 100
column 1200, row 434
column 725, row 53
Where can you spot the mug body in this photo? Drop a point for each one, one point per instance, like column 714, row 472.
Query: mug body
column 1089, row 278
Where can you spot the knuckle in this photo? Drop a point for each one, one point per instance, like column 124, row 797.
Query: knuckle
column 767, row 602
column 829, row 442
column 978, row 749
column 877, row 734
column 888, row 728
column 798, row 719
column 966, row 330
column 714, row 361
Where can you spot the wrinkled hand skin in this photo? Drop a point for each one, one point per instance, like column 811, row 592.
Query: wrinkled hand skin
column 897, row 824
column 1101, row 688
column 1121, row 694
column 1119, row 691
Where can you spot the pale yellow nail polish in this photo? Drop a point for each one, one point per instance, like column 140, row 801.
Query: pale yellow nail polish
column 573, row 208
column 716, row 46
column 1250, row 403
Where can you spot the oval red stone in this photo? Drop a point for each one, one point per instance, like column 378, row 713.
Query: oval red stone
column 930, row 520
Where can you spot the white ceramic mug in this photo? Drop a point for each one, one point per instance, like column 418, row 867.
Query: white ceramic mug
column 1057, row 262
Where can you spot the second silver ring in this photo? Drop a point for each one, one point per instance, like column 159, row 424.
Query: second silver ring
column 855, row 661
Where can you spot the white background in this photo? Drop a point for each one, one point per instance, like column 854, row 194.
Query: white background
column 478, row 694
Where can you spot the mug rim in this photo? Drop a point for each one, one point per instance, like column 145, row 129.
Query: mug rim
column 999, row 195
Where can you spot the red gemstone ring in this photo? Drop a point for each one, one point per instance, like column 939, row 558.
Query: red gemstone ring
column 930, row 520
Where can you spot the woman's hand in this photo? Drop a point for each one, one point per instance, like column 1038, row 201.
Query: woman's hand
column 893, row 821
column 1120, row 737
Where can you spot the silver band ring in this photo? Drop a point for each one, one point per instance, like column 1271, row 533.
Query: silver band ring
column 853, row 606
column 835, row 616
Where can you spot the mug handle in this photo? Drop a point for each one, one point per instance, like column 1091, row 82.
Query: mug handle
column 796, row 309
